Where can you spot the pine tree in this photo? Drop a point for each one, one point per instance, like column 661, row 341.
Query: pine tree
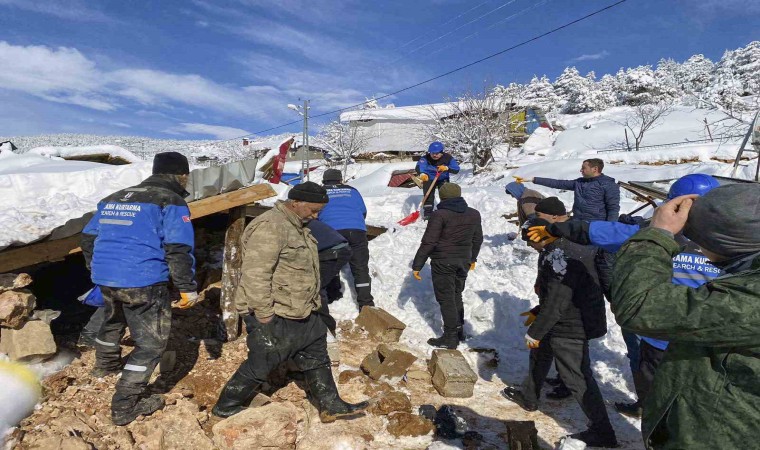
column 694, row 75
column 747, row 68
column 666, row 76
column 640, row 86
column 540, row 93
column 726, row 88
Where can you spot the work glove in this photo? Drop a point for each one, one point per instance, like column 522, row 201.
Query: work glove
column 531, row 343
column 522, row 180
column 188, row 300
column 472, row 266
column 443, row 168
column 424, row 177
column 416, row 275
column 538, row 234
column 529, row 318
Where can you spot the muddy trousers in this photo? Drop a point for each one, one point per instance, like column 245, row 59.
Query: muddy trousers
column 427, row 208
column 571, row 357
column 330, row 263
column 359, row 264
column 649, row 360
column 449, row 278
column 147, row 313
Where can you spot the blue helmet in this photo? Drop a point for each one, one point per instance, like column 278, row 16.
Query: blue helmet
column 435, row 147
column 695, row 183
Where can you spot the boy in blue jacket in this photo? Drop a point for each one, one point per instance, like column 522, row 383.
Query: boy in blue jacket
column 435, row 161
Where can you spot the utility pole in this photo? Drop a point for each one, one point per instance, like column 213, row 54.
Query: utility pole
column 305, row 157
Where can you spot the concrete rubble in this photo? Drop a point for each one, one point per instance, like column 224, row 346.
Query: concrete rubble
column 271, row 426
column 388, row 361
column 452, row 375
column 380, row 324
column 32, row 343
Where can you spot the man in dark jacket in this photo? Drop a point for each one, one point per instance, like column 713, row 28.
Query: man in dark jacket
column 452, row 241
column 705, row 392
column 138, row 239
column 334, row 253
column 571, row 312
column 346, row 213
column 435, row 162
column 597, row 196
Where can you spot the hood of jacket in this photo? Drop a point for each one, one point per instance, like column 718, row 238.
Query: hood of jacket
column 456, row 204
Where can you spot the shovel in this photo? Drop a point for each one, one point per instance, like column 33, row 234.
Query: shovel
column 411, row 218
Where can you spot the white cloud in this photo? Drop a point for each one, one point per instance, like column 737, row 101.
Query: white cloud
column 590, row 57
column 216, row 131
column 728, row 7
column 63, row 9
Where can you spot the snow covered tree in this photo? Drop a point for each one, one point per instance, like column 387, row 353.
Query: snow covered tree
column 666, row 76
column 540, row 93
column 746, row 67
column 643, row 118
column 726, row 88
column 372, row 103
column 512, row 91
column 343, row 141
column 607, row 91
column 576, row 91
column 694, row 75
column 640, row 86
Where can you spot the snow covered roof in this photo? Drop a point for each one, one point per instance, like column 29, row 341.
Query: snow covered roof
column 431, row 111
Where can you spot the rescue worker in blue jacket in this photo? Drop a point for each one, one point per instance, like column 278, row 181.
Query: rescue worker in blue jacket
column 334, row 253
column 435, row 162
column 139, row 239
column 345, row 212
column 690, row 268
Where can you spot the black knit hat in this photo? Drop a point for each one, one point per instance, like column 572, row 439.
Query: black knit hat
column 532, row 222
column 332, row 176
column 552, row 206
column 170, row 163
column 309, row 191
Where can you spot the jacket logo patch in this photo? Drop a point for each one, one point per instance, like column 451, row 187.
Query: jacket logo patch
column 186, row 219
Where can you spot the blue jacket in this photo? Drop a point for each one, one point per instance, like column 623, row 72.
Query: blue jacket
column 345, row 210
column 690, row 268
column 140, row 235
column 428, row 165
column 325, row 235
column 596, row 198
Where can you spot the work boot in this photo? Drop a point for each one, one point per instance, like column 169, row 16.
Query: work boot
column 559, row 392
column 449, row 339
column 144, row 407
column 515, row 395
column 102, row 372
column 592, row 438
column 236, row 395
column 460, row 333
column 322, row 388
column 629, row 409
column 554, row 382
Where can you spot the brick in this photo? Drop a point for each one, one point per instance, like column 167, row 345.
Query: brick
column 452, row 376
column 380, row 324
column 387, row 361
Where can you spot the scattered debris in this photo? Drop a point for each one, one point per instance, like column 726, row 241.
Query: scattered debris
column 387, row 361
column 380, row 324
column 452, row 376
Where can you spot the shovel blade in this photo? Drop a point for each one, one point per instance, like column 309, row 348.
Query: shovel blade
column 411, row 218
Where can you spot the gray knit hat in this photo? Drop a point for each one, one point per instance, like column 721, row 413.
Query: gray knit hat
column 726, row 220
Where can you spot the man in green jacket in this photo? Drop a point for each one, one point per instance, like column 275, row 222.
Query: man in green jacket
column 706, row 393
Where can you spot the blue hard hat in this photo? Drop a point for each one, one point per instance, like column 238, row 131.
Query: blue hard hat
column 435, row 147
column 695, row 183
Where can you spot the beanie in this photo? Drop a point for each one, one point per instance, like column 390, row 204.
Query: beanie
column 532, row 222
column 552, row 206
column 726, row 220
column 309, row 191
column 449, row 190
column 170, row 163
column 332, row 176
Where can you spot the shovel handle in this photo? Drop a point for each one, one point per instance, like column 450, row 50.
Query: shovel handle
column 430, row 189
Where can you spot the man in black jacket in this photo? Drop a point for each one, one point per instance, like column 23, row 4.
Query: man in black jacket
column 571, row 312
column 452, row 241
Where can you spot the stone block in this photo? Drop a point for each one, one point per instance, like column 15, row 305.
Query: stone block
column 387, row 361
column 522, row 434
column 15, row 308
column 10, row 281
column 272, row 426
column 32, row 343
column 452, row 376
column 380, row 324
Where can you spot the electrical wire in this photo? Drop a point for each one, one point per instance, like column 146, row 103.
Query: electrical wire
column 442, row 25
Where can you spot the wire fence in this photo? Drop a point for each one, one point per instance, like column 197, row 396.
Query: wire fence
column 720, row 139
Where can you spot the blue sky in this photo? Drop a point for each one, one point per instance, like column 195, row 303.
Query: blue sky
column 193, row 69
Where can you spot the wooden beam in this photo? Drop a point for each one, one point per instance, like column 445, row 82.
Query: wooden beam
column 233, row 261
column 28, row 255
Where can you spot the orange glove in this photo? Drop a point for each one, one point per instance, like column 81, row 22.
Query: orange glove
column 188, row 300
column 537, row 234
column 531, row 343
column 416, row 275
column 522, row 180
column 529, row 318
column 472, row 266
column 424, row 177
column 443, row 168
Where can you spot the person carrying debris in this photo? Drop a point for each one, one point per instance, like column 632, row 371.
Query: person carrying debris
column 139, row 239
column 526, row 200
column 597, row 196
column 690, row 268
column 278, row 298
column 452, row 241
column 346, row 213
column 434, row 162
column 705, row 392
column 571, row 312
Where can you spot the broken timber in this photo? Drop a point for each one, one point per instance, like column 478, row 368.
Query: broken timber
column 28, row 255
column 233, row 262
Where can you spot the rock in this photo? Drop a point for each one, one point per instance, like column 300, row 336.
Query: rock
column 380, row 324
column 260, row 400
column 348, row 375
column 452, row 376
column 522, row 434
column 408, row 424
column 179, row 429
column 10, row 281
column 32, row 343
column 15, row 308
column 391, row 402
column 418, row 376
column 272, row 426
column 61, row 443
column 387, row 361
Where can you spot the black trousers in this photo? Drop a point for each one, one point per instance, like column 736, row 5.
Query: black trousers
column 147, row 312
column 430, row 201
column 330, row 263
column 359, row 264
column 270, row 344
column 649, row 360
column 574, row 366
column 448, row 284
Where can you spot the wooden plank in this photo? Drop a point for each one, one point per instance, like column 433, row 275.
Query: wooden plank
column 233, row 262
column 28, row 255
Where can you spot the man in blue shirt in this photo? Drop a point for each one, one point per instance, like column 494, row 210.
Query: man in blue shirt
column 345, row 212
column 435, row 162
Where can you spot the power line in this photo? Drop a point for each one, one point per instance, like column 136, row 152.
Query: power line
column 442, row 25
column 445, row 74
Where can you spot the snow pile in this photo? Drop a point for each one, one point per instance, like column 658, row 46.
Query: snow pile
column 21, row 391
column 539, row 142
column 68, row 152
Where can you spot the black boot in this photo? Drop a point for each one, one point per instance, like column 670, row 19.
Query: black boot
column 592, row 438
column 128, row 403
column 515, row 395
column 629, row 409
column 559, row 392
column 460, row 333
column 449, row 339
column 236, row 395
column 322, row 388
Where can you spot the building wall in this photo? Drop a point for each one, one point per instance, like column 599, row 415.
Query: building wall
column 395, row 135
